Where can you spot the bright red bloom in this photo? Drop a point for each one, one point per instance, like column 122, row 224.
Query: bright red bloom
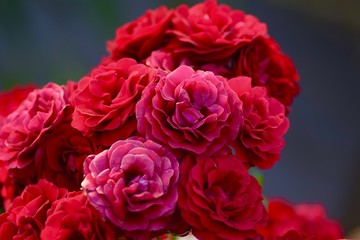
column 261, row 137
column 104, row 100
column 139, row 38
column 208, row 32
column 22, row 129
column 219, row 199
column 263, row 61
column 25, row 217
column 72, row 217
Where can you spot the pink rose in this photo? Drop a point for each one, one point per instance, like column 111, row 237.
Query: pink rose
column 188, row 110
column 133, row 184
column 22, row 130
column 261, row 138
column 306, row 220
column 72, row 217
column 104, row 100
column 139, row 38
column 25, row 217
column 210, row 32
column 264, row 62
column 219, row 199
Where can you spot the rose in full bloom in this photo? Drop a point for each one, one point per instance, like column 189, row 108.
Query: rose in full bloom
column 25, row 217
column 139, row 38
column 72, row 217
column 208, row 32
column 133, row 184
column 10, row 100
column 104, row 100
column 188, row 110
column 307, row 220
column 261, row 138
column 22, row 129
column 268, row 66
column 219, row 199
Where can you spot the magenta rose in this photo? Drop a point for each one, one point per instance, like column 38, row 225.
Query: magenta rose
column 188, row 110
column 133, row 184
column 139, row 38
column 261, row 138
column 72, row 217
column 219, row 199
column 22, row 129
column 210, row 32
column 25, row 217
column 104, row 100
column 268, row 66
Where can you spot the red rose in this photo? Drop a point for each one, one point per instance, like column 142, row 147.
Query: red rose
column 104, row 101
column 264, row 62
column 139, row 38
column 133, row 184
column 208, row 32
column 188, row 110
column 306, row 220
column 219, row 199
column 25, row 217
column 61, row 154
column 10, row 100
column 22, row 129
column 72, row 217
column 261, row 137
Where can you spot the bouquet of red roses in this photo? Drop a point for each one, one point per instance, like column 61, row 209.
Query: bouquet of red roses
column 158, row 139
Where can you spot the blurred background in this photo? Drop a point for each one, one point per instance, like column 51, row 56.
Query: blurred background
column 42, row 41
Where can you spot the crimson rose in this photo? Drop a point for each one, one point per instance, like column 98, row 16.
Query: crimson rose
column 25, row 217
column 219, row 199
column 104, row 100
column 188, row 110
column 22, row 129
column 261, row 138
column 72, row 217
column 133, row 184
column 139, row 38
column 264, row 62
column 208, row 32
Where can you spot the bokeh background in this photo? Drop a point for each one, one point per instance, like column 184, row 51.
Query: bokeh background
column 42, row 41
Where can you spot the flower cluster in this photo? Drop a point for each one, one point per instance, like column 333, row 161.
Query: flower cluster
column 158, row 138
